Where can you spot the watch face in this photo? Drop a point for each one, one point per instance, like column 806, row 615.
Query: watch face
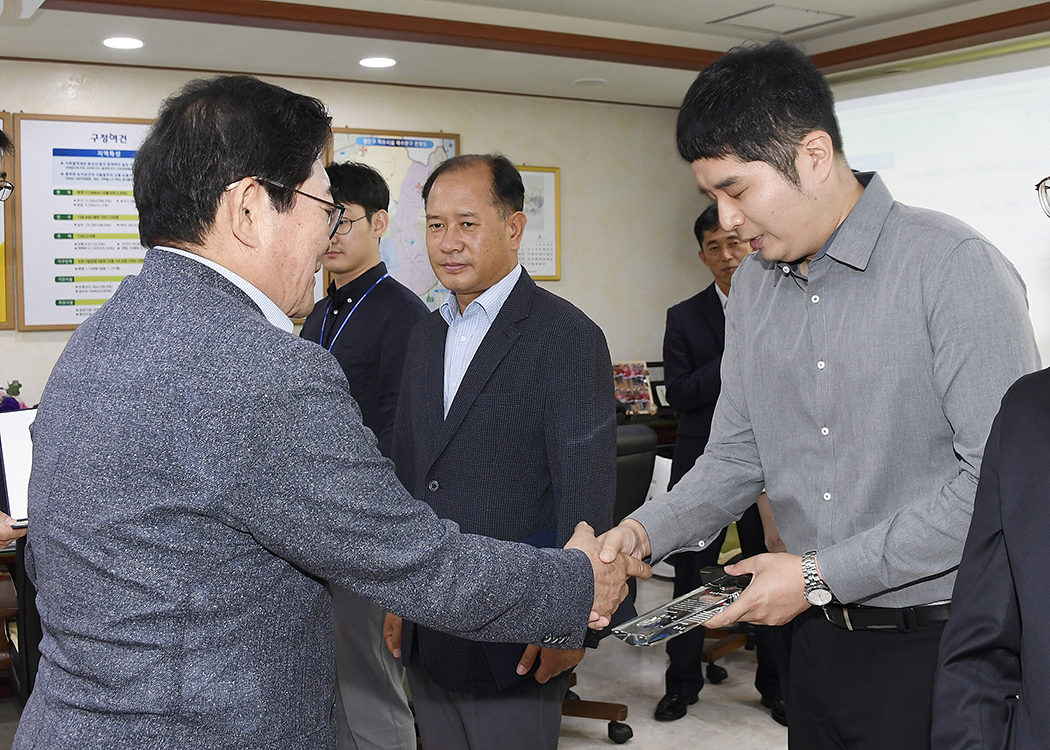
column 818, row 597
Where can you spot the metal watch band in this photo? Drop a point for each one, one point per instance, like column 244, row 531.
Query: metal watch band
column 817, row 591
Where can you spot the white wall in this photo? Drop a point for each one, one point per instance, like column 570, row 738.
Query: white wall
column 628, row 201
column 971, row 141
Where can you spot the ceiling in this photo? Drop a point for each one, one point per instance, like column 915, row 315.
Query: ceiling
column 601, row 50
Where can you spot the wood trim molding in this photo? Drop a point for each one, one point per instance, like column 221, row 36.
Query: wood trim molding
column 342, row 21
column 359, row 23
column 997, row 27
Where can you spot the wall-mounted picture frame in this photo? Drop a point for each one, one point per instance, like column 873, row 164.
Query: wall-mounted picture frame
column 540, row 251
column 76, row 221
column 631, row 383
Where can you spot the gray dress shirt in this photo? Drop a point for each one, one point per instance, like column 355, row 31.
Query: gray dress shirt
column 861, row 398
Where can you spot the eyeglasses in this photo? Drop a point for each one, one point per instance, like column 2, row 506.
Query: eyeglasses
column 334, row 210
column 6, row 188
column 349, row 223
column 1043, row 188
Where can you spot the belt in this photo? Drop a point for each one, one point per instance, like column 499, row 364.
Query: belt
column 903, row 620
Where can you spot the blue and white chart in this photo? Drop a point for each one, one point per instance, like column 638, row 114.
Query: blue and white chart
column 77, row 222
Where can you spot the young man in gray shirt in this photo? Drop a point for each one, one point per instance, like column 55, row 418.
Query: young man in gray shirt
column 867, row 346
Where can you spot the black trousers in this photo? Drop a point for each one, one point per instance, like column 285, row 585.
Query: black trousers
column 865, row 690
column 685, row 673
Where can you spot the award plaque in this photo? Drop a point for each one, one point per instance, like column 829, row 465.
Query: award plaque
column 684, row 613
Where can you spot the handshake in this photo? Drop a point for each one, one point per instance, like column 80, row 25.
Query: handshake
column 615, row 556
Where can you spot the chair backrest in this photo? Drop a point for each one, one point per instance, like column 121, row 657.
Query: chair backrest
column 635, row 458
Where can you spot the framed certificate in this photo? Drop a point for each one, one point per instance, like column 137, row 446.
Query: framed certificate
column 540, row 251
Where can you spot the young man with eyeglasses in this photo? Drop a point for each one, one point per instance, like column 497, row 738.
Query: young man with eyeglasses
column 993, row 683
column 364, row 322
column 867, row 346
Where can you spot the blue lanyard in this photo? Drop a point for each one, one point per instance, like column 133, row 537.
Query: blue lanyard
column 347, row 318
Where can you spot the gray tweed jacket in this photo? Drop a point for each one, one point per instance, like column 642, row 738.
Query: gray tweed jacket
column 195, row 481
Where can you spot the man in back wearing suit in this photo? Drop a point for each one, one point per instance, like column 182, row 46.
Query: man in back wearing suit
column 199, row 471
column 693, row 343
column 505, row 425
column 364, row 322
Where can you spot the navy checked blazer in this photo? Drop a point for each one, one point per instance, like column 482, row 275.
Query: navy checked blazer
column 529, row 442
column 197, row 475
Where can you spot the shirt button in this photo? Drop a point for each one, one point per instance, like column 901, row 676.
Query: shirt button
column 820, row 365
column 827, row 495
column 785, row 269
column 433, row 486
column 462, row 338
column 824, row 430
column 815, row 298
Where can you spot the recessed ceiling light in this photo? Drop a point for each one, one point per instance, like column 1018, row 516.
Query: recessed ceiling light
column 122, row 42
column 378, row 62
column 590, row 81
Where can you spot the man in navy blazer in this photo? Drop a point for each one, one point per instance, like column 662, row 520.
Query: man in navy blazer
column 992, row 687
column 505, row 425
column 199, row 471
column 694, row 340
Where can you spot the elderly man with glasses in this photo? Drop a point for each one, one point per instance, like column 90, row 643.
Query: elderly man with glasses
column 199, row 472
column 993, row 683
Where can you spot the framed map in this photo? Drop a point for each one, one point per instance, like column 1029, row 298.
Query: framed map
column 540, row 251
column 405, row 160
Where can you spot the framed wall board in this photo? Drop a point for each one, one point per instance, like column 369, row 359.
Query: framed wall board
column 540, row 251
column 76, row 222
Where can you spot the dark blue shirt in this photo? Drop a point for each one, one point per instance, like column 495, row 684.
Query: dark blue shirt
column 371, row 346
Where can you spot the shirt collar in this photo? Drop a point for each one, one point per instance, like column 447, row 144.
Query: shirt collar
column 270, row 310
column 491, row 300
column 854, row 239
column 355, row 289
column 722, row 296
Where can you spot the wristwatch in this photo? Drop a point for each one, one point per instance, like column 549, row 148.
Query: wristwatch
column 817, row 592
